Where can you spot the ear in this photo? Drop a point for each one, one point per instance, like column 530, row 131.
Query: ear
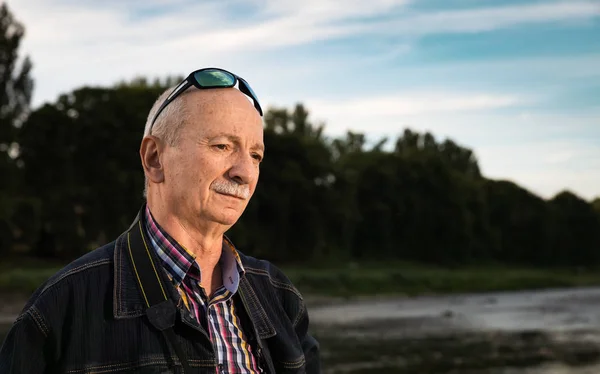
column 150, row 154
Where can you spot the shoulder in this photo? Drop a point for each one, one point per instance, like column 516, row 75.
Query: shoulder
column 270, row 284
column 266, row 273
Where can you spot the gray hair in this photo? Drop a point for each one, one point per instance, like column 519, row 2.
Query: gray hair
column 169, row 123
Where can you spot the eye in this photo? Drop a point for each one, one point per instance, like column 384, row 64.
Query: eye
column 257, row 157
column 221, row 147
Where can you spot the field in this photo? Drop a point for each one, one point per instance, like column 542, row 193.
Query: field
column 384, row 345
column 23, row 276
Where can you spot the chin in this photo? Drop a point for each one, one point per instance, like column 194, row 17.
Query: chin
column 227, row 219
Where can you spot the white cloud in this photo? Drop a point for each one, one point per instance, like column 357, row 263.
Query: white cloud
column 414, row 103
column 381, row 114
column 200, row 27
column 328, row 10
column 491, row 18
column 72, row 43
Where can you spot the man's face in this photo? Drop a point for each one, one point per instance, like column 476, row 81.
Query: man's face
column 212, row 172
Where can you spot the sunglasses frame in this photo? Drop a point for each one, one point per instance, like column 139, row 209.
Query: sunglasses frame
column 191, row 80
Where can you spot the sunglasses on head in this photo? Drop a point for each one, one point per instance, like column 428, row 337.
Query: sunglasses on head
column 209, row 78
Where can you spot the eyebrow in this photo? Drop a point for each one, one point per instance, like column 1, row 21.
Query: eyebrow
column 237, row 139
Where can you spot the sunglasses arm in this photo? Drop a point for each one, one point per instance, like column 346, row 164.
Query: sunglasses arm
column 172, row 96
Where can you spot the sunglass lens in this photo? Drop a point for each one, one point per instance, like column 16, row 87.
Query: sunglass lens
column 214, row 78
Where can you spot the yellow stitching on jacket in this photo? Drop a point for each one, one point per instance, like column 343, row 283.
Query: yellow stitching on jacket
column 152, row 262
column 136, row 272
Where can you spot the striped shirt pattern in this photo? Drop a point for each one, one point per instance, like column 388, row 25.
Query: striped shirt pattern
column 234, row 354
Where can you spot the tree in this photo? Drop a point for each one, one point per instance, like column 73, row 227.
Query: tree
column 16, row 85
column 575, row 230
column 318, row 199
column 453, row 155
column 15, row 95
column 520, row 224
column 596, row 204
column 80, row 158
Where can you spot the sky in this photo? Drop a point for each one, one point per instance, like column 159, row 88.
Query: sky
column 516, row 81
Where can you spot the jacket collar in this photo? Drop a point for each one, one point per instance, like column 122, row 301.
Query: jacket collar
column 128, row 300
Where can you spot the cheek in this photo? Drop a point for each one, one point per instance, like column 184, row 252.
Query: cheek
column 257, row 178
column 205, row 174
column 253, row 185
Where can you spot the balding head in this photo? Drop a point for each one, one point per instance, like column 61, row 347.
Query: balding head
column 205, row 107
column 173, row 117
column 196, row 105
column 209, row 173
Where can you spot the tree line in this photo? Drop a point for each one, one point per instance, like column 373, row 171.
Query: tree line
column 72, row 180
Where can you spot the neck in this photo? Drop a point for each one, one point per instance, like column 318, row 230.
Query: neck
column 203, row 241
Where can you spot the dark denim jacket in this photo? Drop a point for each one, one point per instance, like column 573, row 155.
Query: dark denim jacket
column 89, row 318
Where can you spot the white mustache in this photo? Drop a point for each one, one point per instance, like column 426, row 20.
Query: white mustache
column 241, row 191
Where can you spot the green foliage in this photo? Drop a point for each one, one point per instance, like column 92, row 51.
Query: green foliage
column 318, row 199
column 575, row 225
column 402, row 278
column 80, row 157
column 15, row 94
column 15, row 84
column 22, row 276
column 520, row 222
column 596, row 205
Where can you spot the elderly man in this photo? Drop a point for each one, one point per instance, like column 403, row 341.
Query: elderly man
column 172, row 294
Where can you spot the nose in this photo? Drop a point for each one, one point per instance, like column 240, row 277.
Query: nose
column 244, row 169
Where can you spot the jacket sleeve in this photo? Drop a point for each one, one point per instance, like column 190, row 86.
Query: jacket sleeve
column 310, row 345
column 24, row 350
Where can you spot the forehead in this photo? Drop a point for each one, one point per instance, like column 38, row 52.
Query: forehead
column 215, row 111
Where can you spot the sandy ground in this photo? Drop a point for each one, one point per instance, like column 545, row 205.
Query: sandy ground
column 549, row 332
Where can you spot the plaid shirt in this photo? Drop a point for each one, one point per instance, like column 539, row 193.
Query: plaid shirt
column 234, row 354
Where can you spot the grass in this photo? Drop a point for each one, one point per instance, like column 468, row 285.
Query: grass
column 23, row 276
column 349, row 280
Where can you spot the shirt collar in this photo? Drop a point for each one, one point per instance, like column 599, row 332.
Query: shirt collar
column 180, row 263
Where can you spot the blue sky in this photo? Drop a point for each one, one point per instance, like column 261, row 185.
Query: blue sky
column 516, row 81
